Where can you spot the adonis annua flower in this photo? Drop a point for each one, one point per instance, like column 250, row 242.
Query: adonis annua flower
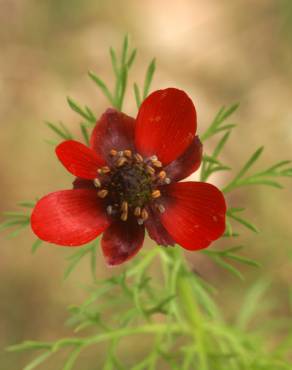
column 128, row 181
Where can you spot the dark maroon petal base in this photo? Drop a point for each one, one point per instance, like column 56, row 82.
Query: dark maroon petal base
column 156, row 230
column 114, row 130
column 79, row 183
column 122, row 241
column 187, row 163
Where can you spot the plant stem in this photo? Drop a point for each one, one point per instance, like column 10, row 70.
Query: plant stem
column 191, row 311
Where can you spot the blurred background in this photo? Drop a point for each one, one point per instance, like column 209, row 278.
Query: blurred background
column 220, row 52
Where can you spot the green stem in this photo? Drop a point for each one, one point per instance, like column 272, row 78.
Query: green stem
column 191, row 311
column 111, row 335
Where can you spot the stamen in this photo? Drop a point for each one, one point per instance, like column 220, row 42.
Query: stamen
column 138, row 158
column 109, row 209
column 167, row 180
column 156, row 194
column 124, row 206
column 102, row 193
column 140, row 221
column 121, row 161
column 150, row 170
column 137, row 211
column 113, row 152
column 144, row 214
column 124, row 216
column 154, row 158
column 157, row 164
column 162, row 175
column 103, row 170
column 160, row 208
column 97, row 183
column 128, row 153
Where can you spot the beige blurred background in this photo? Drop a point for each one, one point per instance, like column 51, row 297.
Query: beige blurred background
column 220, row 52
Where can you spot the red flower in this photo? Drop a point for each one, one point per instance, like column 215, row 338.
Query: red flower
column 128, row 181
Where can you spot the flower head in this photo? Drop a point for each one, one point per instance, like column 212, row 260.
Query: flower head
column 127, row 180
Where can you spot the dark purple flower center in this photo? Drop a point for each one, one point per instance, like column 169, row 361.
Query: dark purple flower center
column 131, row 184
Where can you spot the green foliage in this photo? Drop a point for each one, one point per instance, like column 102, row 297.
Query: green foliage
column 121, row 66
column 264, row 177
column 148, row 80
column 173, row 306
column 218, row 124
column 15, row 220
column 190, row 328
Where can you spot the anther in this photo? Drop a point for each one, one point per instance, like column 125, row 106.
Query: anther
column 138, row 158
column 157, row 164
column 144, row 214
column 97, row 183
column 121, row 161
column 167, row 180
column 160, row 208
column 137, row 211
column 113, row 152
column 162, row 175
column 104, row 169
column 150, row 170
column 109, row 209
column 156, row 194
column 124, row 206
column 102, row 193
column 154, row 158
column 128, row 153
column 124, row 216
column 140, row 221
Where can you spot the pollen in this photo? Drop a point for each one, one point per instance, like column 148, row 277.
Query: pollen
column 137, row 211
column 104, row 170
column 128, row 153
column 121, row 161
column 109, row 209
column 144, row 214
column 138, row 158
column 124, row 216
column 150, row 170
column 102, row 193
column 162, row 175
column 157, row 164
column 140, row 221
column 97, row 183
column 113, row 152
column 124, row 206
column 156, row 194
column 160, row 208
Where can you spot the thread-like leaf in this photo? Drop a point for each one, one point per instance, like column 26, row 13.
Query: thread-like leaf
column 137, row 95
column 102, row 86
column 149, row 77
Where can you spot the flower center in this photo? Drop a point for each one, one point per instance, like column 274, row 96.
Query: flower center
column 130, row 184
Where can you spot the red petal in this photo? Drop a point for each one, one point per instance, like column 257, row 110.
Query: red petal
column 195, row 213
column 187, row 163
column 156, row 230
column 80, row 160
column 69, row 217
column 166, row 124
column 121, row 241
column 114, row 130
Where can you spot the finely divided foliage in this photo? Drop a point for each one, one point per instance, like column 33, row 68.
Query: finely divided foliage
column 177, row 309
